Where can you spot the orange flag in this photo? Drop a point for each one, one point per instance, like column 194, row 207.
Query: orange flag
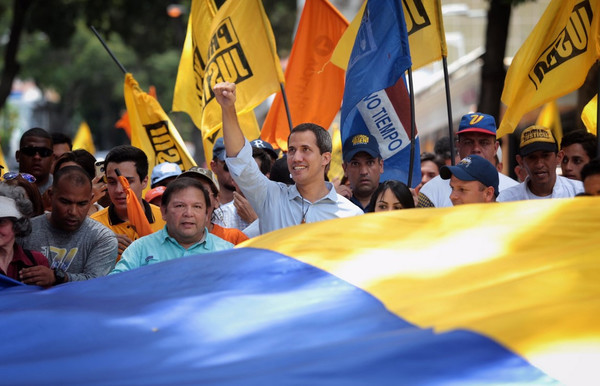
column 314, row 86
column 135, row 212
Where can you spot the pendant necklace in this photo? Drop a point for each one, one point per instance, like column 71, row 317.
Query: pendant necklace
column 304, row 212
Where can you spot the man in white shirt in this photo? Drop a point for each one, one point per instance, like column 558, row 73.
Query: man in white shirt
column 310, row 199
column 476, row 135
column 538, row 154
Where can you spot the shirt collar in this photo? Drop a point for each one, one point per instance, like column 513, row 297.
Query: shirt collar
column 204, row 241
column 293, row 193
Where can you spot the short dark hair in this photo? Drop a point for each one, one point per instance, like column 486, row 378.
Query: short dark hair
column 587, row 140
column 37, row 132
column 436, row 159
column 182, row 183
column 74, row 174
column 61, row 138
column 125, row 153
column 590, row 169
column 399, row 189
column 264, row 158
column 322, row 135
column 81, row 157
column 280, row 171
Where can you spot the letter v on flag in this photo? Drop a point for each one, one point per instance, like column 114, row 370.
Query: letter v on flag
column 376, row 100
column 314, row 87
column 152, row 130
column 554, row 60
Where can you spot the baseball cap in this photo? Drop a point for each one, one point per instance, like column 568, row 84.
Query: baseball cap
column 8, row 208
column 154, row 193
column 266, row 146
column 163, row 171
column 358, row 143
column 473, row 168
column 477, row 123
column 536, row 138
column 197, row 171
column 219, row 149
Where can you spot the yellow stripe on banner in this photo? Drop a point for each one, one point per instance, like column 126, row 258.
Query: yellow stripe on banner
column 526, row 274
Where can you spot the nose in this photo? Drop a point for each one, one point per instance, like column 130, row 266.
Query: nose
column 363, row 170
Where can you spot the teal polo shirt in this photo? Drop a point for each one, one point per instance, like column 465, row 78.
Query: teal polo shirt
column 159, row 246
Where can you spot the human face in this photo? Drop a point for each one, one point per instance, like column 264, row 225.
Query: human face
column 304, row 159
column 363, row 172
column 223, row 176
column 35, row 164
column 7, row 233
column 387, row 201
column 591, row 185
column 70, row 205
column 60, row 149
column 574, row 158
column 115, row 189
column 469, row 192
column 429, row 170
column 541, row 168
column 185, row 215
column 483, row 145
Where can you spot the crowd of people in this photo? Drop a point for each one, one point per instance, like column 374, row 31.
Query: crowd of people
column 64, row 215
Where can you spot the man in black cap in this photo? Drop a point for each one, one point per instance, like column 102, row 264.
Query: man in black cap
column 473, row 180
column 363, row 166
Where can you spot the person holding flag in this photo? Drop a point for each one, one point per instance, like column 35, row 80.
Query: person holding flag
column 277, row 205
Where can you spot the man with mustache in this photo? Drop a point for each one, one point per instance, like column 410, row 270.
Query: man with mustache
column 538, row 155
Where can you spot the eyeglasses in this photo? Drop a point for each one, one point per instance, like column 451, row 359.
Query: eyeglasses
column 12, row 175
column 33, row 150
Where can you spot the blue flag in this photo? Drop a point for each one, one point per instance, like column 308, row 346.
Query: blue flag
column 376, row 99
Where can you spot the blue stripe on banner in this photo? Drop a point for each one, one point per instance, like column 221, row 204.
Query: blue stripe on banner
column 245, row 316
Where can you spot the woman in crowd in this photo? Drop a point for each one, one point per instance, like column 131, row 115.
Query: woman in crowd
column 27, row 182
column 392, row 195
column 15, row 211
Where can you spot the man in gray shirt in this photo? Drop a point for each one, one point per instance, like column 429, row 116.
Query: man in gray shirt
column 76, row 247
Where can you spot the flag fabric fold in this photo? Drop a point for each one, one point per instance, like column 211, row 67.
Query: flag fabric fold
column 550, row 117
column 589, row 115
column 83, row 139
column 376, row 98
column 135, row 211
column 152, row 130
column 554, row 60
column 314, row 87
column 363, row 300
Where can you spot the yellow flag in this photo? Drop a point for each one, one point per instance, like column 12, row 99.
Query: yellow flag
column 335, row 169
column 425, row 28
column 152, row 130
column 554, row 60
column 550, row 117
column 189, row 96
column 83, row 139
column 589, row 115
column 3, row 161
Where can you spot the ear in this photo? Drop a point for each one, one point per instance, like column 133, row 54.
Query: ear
column 380, row 165
column 163, row 212
column 144, row 182
column 488, row 194
column 326, row 159
column 18, row 156
column 496, row 146
column 519, row 160
column 344, row 166
column 561, row 155
column 213, row 164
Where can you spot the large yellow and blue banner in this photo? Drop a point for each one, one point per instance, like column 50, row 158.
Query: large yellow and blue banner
column 554, row 60
column 476, row 294
column 376, row 99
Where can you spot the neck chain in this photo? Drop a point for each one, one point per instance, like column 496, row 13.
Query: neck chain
column 304, row 212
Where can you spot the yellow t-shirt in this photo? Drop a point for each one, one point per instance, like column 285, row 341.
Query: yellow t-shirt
column 109, row 218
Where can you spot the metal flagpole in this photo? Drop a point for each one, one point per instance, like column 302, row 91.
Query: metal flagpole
column 449, row 107
column 287, row 107
column 412, row 128
column 108, row 49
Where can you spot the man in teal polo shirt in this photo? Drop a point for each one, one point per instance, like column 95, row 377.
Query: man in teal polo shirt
column 184, row 209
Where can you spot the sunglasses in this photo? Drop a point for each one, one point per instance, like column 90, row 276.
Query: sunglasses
column 33, row 150
column 12, row 175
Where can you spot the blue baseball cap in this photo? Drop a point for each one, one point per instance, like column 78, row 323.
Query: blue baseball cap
column 266, row 146
column 163, row 171
column 473, row 168
column 478, row 123
column 358, row 143
column 219, row 149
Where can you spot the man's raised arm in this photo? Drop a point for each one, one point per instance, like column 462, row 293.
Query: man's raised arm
column 232, row 133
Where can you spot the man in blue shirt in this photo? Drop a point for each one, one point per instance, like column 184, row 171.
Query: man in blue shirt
column 184, row 209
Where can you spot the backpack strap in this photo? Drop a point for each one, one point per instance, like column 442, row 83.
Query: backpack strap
column 30, row 256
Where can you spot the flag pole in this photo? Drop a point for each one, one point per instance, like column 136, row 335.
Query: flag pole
column 287, row 106
column 411, row 164
column 108, row 50
column 449, row 108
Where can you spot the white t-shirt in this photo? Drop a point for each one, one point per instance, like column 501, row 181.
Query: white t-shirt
column 438, row 190
column 563, row 188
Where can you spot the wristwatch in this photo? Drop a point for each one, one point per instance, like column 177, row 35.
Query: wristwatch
column 60, row 275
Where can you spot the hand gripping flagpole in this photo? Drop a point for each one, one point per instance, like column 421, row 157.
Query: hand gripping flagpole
column 108, row 49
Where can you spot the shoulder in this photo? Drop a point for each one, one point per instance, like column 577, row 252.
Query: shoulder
column 217, row 243
column 574, row 186
column 513, row 193
column 347, row 205
column 101, row 216
column 505, row 181
column 96, row 228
